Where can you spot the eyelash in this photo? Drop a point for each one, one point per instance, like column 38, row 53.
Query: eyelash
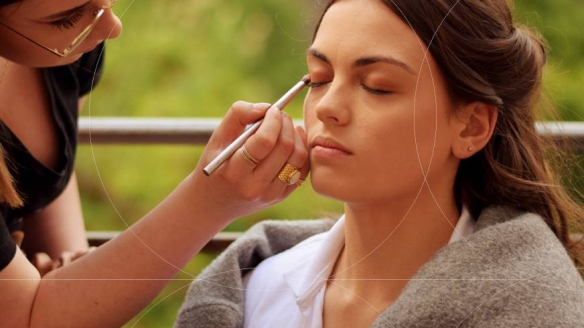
column 373, row 91
column 69, row 22
column 316, row 84
column 376, row 91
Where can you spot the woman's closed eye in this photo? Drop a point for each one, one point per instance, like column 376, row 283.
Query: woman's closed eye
column 68, row 22
column 376, row 91
column 314, row 84
column 372, row 90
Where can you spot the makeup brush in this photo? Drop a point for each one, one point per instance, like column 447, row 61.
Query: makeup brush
column 251, row 129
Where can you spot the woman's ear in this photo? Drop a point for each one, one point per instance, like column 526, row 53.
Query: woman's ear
column 475, row 124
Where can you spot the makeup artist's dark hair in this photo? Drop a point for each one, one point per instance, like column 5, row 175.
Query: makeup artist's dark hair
column 8, row 2
column 485, row 56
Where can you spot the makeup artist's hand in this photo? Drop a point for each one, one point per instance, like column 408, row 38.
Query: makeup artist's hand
column 239, row 186
column 45, row 264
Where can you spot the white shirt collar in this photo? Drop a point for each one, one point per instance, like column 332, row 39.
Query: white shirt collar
column 465, row 226
column 309, row 277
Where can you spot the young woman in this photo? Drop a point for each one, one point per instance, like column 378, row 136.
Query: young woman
column 421, row 120
column 50, row 53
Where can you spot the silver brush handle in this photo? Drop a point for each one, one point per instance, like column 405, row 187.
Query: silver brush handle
column 251, row 129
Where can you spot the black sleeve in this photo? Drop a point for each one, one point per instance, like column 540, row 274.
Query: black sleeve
column 90, row 69
column 7, row 245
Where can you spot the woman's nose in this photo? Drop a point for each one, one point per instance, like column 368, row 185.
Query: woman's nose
column 109, row 27
column 333, row 107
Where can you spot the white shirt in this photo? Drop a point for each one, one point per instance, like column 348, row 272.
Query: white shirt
column 287, row 290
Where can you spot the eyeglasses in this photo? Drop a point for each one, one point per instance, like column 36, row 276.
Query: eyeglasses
column 97, row 14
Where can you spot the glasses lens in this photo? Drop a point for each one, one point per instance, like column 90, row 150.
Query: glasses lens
column 86, row 31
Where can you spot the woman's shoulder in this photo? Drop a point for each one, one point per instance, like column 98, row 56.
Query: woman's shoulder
column 264, row 240
column 295, row 257
column 498, row 214
column 513, row 231
column 218, row 289
column 518, row 240
column 512, row 270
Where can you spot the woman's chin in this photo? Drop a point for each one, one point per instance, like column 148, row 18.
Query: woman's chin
column 330, row 187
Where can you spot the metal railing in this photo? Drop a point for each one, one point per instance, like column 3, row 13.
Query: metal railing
column 197, row 131
column 105, row 130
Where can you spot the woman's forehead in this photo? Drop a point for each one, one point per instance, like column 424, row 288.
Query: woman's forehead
column 358, row 28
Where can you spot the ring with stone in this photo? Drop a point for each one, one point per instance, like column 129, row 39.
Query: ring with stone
column 289, row 174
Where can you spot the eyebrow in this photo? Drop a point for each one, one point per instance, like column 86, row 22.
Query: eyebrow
column 67, row 12
column 365, row 60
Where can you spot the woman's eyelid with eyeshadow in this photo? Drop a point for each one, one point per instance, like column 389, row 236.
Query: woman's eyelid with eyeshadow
column 378, row 79
column 376, row 91
column 320, row 74
column 378, row 85
column 384, row 79
column 319, row 78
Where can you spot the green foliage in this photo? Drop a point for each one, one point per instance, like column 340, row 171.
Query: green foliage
column 558, row 21
column 194, row 58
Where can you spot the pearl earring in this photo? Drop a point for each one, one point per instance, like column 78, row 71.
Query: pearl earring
column 470, row 148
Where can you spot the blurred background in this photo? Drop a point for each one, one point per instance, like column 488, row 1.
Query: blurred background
column 194, row 58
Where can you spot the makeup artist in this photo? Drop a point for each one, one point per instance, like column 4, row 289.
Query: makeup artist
column 50, row 51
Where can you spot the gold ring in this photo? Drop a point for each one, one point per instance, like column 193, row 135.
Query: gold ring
column 289, row 174
column 247, row 156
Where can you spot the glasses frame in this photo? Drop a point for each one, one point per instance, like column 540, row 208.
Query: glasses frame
column 77, row 41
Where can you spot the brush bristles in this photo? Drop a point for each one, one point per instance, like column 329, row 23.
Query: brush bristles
column 306, row 79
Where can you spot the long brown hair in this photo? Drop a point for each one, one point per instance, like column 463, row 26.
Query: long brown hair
column 485, row 56
column 8, row 192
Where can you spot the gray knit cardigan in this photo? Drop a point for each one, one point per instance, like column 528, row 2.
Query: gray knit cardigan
column 511, row 272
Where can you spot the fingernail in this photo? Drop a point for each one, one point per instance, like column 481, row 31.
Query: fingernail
column 260, row 107
column 274, row 110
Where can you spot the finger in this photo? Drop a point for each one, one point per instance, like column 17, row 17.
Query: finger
column 300, row 155
column 237, row 118
column 42, row 262
column 292, row 172
column 66, row 258
column 306, row 168
column 257, row 147
column 261, row 144
column 278, row 157
column 264, row 182
column 248, row 158
column 81, row 253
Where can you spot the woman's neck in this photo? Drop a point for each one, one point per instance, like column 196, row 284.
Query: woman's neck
column 386, row 244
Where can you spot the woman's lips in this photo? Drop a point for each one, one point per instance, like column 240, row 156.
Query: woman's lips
column 322, row 146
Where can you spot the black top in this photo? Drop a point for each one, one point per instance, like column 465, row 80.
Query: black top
column 38, row 184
